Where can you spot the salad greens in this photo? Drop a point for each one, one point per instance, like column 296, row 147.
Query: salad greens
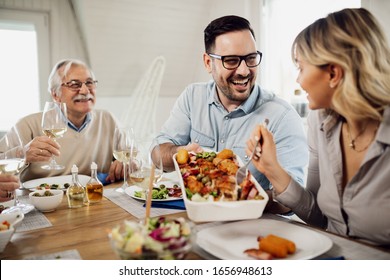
column 161, row 238
column 161, row 192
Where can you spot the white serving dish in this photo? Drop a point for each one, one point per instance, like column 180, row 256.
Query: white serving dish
column 60, row 180
column 209, row 211
column 5, row 235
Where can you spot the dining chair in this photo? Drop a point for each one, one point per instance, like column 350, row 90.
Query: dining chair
column 141, row 112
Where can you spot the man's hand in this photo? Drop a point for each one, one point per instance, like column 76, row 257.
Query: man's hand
column 116, row 172
column 41, row 148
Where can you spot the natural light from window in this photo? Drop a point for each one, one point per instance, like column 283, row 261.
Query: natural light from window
column 19, row 87
column 283, row 20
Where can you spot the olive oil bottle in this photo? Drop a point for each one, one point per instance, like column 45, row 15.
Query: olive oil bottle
column 76, row 192
column 94, row 187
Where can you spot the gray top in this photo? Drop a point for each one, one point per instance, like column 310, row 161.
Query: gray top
column 366, row 198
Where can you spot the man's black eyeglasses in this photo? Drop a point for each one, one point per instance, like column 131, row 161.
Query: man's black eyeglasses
column 231, row 62
column 76, row 84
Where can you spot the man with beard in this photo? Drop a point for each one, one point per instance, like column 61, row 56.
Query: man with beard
column 89, row 135
column 223, row 112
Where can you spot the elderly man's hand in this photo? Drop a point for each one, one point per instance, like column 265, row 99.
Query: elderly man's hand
column 41, row 148
column 116, row 172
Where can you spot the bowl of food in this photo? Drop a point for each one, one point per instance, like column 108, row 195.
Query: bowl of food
column 210, row 191
column 160, row 238
column 8, row 222
column 46, row 200
column 14, row 217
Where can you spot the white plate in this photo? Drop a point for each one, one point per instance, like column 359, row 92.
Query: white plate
column 168, row 184
column 229, row 241
column 60, row 180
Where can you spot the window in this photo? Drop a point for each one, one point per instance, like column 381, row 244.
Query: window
column 24, row 47
column 282, row 21
column 19, row 72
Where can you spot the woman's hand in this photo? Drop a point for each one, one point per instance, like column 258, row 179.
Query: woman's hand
column 265, row 159
column 8, row 185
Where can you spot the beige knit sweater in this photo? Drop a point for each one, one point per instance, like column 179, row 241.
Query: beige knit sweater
column 93, row 143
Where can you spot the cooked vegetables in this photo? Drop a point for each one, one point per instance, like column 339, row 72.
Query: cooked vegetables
column 182, row 156
column 46, row 193
column 210, row 175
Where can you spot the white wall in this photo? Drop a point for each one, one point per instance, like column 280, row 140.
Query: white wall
column 121, row 38
column 381, row 10
column 64, row 35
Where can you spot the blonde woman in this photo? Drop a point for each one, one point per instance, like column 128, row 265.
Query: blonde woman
column 344, row 66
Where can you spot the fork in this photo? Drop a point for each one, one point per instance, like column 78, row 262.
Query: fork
column 242, row 172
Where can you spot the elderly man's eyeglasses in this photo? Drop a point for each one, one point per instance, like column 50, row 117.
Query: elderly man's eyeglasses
column 231, row 62
column 76, row 84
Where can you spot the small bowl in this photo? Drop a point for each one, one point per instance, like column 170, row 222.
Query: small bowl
column 46, row 203
column 133, row 241
column 14, row 218
column 5, row 235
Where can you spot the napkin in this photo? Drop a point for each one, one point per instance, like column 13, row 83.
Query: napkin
column 171, row 204
column 102, row 178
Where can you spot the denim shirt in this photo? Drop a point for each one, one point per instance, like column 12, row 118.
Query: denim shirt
column 199, row 117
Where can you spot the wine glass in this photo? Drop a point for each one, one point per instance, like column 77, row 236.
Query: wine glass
column 155, row 158
column 54, row 125
column 12, row 162
column 147, row 155
column 122, row 144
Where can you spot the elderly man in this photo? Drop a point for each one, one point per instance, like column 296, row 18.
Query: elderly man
column 223, row 112
column 89, row 135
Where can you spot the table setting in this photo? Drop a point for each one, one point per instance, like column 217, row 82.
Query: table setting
column 209, row 235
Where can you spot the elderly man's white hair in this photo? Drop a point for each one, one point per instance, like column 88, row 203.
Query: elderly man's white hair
column 59, row 71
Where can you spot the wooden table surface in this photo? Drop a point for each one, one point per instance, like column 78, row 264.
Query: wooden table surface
column 86, row 230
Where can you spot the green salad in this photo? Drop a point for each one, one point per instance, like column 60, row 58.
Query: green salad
column 160, row 238
column 160, row 192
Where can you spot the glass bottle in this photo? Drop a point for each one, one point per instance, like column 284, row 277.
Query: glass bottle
column 76, row 192
column 300, row 103
column 94, row 187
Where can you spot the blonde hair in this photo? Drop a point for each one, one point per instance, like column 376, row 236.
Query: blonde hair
column 352, row 39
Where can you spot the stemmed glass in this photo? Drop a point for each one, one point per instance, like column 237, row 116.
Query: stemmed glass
column 122, row 144
column 155, row 158
column 54, row 125
column 12, row 162
column 148, row 154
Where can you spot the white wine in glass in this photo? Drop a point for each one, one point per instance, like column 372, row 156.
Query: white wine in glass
column 12, row 162
column 54, row 125
column 142, row 162
column 123, row 138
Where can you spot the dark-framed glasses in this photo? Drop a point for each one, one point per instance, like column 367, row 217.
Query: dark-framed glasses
column 231, row 62
column 76, row 84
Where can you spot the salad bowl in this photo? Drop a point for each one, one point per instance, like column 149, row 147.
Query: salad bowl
column 159, row 239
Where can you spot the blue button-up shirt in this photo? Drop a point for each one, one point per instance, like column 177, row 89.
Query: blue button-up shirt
column 85, row 123
column 199, row 117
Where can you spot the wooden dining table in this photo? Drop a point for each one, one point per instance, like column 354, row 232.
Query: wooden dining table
column 86, row 230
